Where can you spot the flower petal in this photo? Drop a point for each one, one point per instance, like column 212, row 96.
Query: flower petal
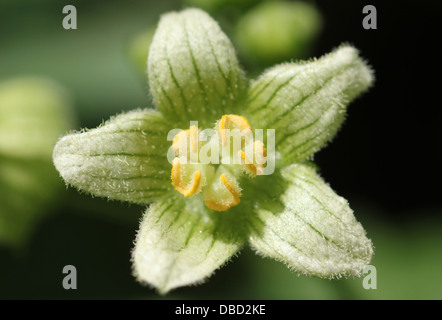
column 306, row 102
column 309, row 227
column 124, row 159
column 193, row 69
column 182, row 242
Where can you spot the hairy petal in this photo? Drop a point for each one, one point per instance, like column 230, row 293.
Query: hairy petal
column 309, row 227
column 306, row 102
column 193, row 69
column 124, row 159
column 181, row 243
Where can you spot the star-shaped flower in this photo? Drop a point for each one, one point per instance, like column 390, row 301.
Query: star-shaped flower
column 202, row 213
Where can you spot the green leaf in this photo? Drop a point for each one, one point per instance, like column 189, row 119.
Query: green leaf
column 309, row 227
column 124, row 159
column 306, row 102
column 181, row 242
column 193, row 70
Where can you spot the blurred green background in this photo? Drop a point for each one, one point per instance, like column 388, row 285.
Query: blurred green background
column 385, row 170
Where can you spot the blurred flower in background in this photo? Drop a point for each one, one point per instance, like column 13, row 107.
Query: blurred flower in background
column 138, row 49
column 277, row 31
column 218, row 5
column 265, row 32
column 34, row 112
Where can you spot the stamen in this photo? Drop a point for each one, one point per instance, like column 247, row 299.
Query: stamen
column 220, row 187
column 178, row 140
column 211, row 204
column 230, row 187
column 193, row 138
column 249, row 164
column 181, row 139
column 214, row 199
column 259, row 148
column 260, row 153
column 255, row 167
column 177, row 181
column 231, row 121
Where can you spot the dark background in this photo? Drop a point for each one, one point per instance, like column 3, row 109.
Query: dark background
column 389, row 150
column 385, row 161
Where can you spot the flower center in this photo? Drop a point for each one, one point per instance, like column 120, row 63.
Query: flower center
column 211, row 161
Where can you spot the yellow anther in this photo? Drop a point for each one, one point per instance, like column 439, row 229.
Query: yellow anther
column 177, row 181
column 260, row 156
column 260, row 153
column 224, row 204
column 220, row 191
column 231, row 189
column 231, row 121
column 249, row 164
column 193, row 138
column 212, row 204
column 259, row 148
column 181, row 139
column 178, row 140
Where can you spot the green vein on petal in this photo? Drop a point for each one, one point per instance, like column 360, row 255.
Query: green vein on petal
column 193, row 70
column 300, row 221
column 181, row 243
column 306, row 102
column 124, row 159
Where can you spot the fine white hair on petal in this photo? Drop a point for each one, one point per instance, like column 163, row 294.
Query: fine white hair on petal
column 181, row 243
column 314, row 232
column 123, row 159
column 193, row 69
column 305, row 102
